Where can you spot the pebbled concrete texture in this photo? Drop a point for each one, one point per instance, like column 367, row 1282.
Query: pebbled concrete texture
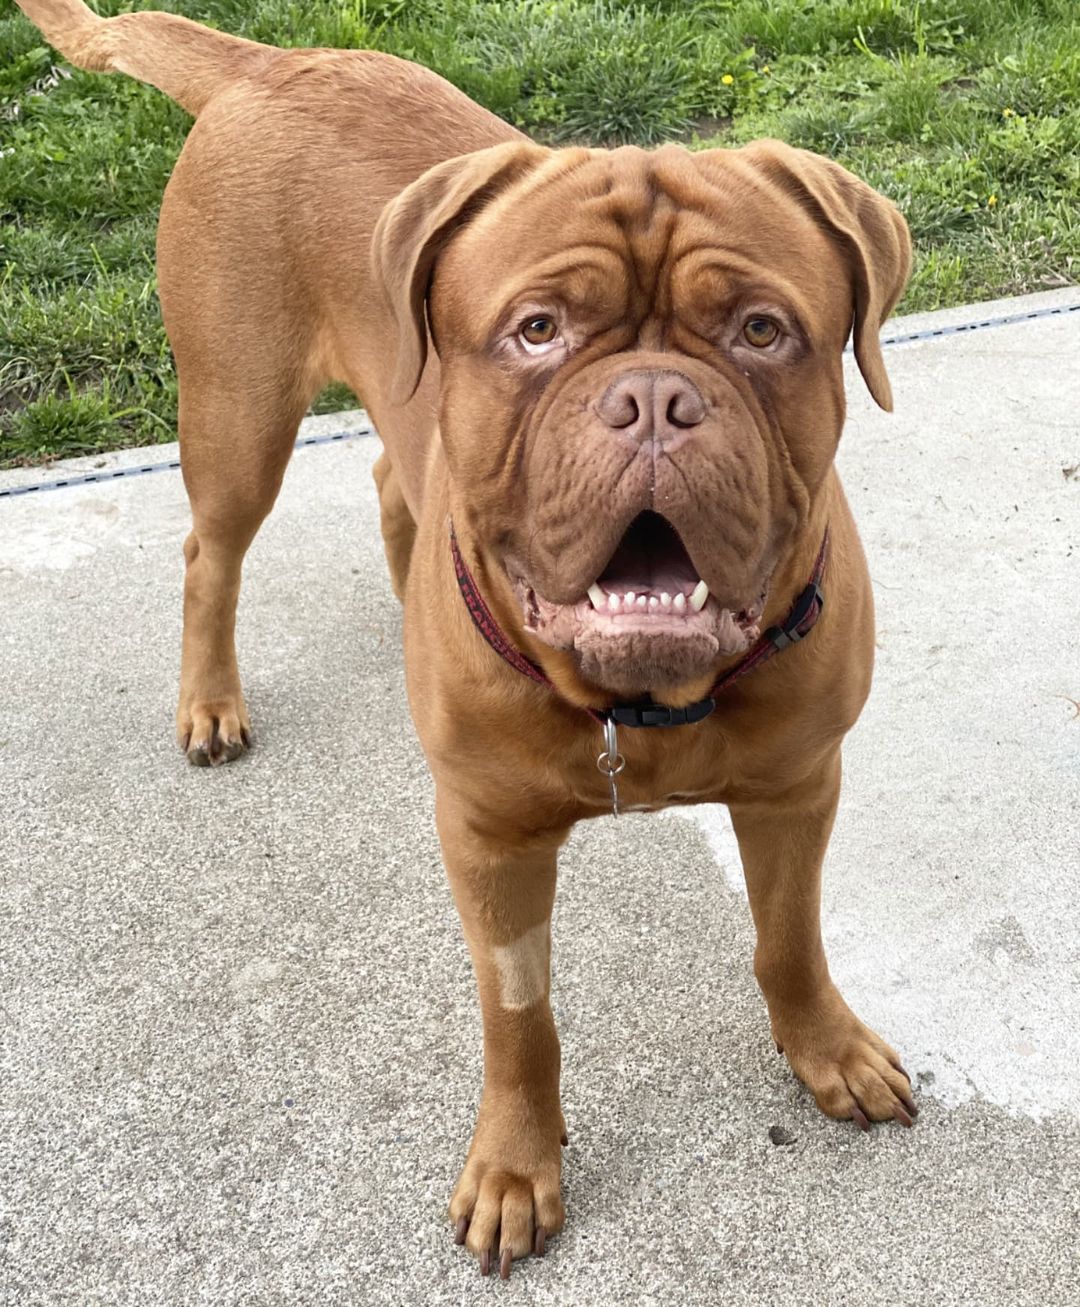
column 240, row 1043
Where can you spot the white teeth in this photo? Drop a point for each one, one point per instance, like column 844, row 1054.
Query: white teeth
column 632, row 602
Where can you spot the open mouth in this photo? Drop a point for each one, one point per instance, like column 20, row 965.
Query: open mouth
column 650, row 575
column 648, row 607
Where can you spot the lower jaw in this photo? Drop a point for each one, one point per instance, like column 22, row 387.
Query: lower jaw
column 631, row 657
column 635, row 664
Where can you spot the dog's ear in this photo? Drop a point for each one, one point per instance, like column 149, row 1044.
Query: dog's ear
column 415, row 226
column 870, row 230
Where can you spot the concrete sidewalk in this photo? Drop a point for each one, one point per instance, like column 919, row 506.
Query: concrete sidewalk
column 240, row 1044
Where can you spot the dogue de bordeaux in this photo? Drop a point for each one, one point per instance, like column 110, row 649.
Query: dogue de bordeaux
column 609, row 389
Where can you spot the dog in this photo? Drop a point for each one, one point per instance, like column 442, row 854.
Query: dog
column 609, row 388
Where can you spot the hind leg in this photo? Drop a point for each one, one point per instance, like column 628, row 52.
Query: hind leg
column 398, row 524
column 241, row 327
column 234, row 450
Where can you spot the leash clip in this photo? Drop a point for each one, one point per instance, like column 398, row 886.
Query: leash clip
column 611, row 762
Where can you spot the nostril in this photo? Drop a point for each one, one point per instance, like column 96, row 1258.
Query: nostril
column 619, row 407
column 623, row 411
column 685, row 409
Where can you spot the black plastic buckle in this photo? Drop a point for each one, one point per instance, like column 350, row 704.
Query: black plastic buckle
column 647, row 713
column 788, row 633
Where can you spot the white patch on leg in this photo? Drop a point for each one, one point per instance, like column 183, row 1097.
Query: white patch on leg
column 523, row 968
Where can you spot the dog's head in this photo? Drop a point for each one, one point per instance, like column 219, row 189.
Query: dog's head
column 642, row 389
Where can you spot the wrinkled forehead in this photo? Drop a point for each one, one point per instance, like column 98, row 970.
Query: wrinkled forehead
column 649, row 225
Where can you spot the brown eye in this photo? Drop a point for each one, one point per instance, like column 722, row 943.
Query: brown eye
column 539, row 331
column 760, row 332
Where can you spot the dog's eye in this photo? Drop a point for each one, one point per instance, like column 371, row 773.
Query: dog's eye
column 760, row 332
column 538, row 331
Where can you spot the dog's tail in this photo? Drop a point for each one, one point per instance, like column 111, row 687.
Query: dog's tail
column 187, row 61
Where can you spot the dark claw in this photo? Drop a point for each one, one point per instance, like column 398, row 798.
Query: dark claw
column 779, row 1048
column 909, row 1103
column 245, row 736
column 185, row 742
column 460, row 1230
column 504, row 1264
column 899, row 1068
column 859, row 1117
column 485, row 1262
column 564, row 1139
column 900, row 1115
column 540, row 1241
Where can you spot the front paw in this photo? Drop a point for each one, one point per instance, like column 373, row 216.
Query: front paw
column 508, row 1192
column 852, row 1073
column 212, row 732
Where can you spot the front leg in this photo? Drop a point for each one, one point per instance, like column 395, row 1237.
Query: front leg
column 849, row 1070
column 504, row 888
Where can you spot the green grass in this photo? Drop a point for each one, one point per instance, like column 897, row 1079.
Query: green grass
column 966, row 112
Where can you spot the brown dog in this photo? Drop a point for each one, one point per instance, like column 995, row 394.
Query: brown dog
column 618, row 375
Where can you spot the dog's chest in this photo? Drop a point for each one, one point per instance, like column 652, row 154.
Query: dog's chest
column 654, row 770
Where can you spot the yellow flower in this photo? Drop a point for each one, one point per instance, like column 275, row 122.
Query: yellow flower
column 727, row 79
column 766, row 69
column 991, row 201
column 1008, row 113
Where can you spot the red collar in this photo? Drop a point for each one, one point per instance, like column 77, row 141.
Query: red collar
column 796, row 625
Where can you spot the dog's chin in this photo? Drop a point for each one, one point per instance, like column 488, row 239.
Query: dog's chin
column 636, row 663
column 655, row 651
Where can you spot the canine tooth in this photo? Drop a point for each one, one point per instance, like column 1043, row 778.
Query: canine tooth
column 654, row 604
column 641, row 603
column 700, row 594
column 665, row 599
column 599, row 599
column 614, row 604
column 679, row 603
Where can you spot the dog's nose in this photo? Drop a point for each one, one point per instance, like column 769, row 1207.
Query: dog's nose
column 651, row 405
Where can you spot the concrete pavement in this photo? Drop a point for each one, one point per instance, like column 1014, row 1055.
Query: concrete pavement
column 240, row 1044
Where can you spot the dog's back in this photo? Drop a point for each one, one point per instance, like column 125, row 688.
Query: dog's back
column 192, row 63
